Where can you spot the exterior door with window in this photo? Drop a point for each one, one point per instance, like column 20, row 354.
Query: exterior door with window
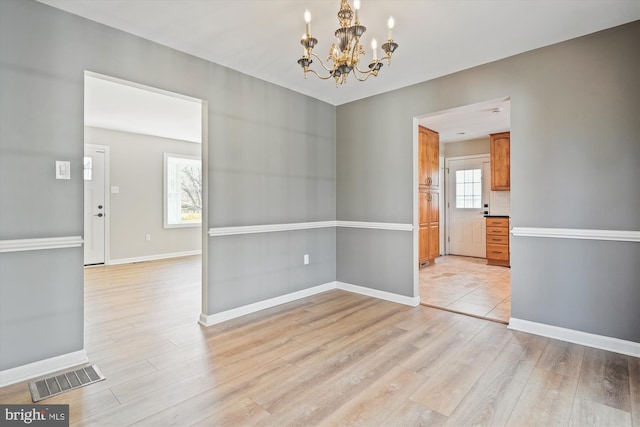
column 467, row 235
column 94, row 204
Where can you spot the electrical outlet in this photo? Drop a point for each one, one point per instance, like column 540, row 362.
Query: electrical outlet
column 306, row 259
column 147, row 237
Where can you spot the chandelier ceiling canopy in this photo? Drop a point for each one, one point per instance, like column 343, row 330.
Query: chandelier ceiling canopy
column 344, row 55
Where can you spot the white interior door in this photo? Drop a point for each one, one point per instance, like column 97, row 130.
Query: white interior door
column 467, row 230
column 94, row 205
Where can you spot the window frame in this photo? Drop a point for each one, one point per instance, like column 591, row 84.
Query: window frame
column 165, row 190
column 473, row 194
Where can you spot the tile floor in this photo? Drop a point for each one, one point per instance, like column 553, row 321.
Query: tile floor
column 467, row 285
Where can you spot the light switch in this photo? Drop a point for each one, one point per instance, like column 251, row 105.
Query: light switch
column 63, row 169
column 115, row 189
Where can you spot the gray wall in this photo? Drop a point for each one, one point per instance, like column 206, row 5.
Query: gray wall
column 574, row 164
column 271, row 160
column 466, row 148
column 137, row 167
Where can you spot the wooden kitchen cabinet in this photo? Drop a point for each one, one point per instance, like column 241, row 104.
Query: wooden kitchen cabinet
column 429, row 158
column 501, row 161
column 498, row 241
column 429, row 195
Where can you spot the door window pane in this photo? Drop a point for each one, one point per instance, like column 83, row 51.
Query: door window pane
column 469, row 189
column 88, row 168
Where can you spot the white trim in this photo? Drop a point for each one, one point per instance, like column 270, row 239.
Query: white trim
column 141, row 86
column 578, row 337
column 574, row 233
column 165, row 189
column 212, row 319
column 19, row 245
column 376, row 225
column 268, row 228
column 387, row 296
column 482, row 156
column 153, row 257
column 42, row 367
column 416, row 205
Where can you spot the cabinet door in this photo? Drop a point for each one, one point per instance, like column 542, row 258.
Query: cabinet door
column 423, row 157
column 434, row 160
column 423, row 207
column 500, row 162
column 423, row 244
column 434, row 207
column 434, row 241
column 434, row 224
column 428, row 158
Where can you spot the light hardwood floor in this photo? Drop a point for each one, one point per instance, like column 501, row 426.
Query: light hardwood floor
column 336, row 358
column 467, row 285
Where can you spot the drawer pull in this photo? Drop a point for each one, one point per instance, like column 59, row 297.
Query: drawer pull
column 497, row 252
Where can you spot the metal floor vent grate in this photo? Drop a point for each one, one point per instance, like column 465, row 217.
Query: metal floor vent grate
column 57, row 384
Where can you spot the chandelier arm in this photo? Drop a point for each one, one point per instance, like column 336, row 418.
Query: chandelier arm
column 363, row 71
column 321, row 62
column 368, row 74
column 318, row 75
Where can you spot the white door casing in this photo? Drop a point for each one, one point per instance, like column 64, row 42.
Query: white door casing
column 466, row 225
column 95, row 204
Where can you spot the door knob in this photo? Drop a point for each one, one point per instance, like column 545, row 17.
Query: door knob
column 100, row 215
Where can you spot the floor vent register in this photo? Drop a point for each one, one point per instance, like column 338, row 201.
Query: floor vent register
column 61, row 383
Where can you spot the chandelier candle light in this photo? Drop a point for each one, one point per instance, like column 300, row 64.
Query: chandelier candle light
column 345, row 55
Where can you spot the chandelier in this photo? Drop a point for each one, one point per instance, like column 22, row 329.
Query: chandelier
column 344, row 55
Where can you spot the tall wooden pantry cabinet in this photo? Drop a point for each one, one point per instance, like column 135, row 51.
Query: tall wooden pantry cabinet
column 428, row 194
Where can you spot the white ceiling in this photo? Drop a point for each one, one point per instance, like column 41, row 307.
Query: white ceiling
column 471, row 121
column 113, row 104
column 435, row 37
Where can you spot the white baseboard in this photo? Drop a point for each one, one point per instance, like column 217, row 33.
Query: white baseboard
column 152, row 257
column 42, row 367
column 387, row 296
column 212, row 319
column 577, row 337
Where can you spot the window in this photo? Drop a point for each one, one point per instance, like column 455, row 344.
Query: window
column 182, row 191
column 88, row 168
column 469, row 189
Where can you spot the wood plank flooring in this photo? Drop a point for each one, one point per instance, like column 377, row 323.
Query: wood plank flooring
column 335, row 358
column 467, row 285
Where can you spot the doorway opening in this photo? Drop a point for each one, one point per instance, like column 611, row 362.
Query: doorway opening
column 460, row 279
column 145, row 188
